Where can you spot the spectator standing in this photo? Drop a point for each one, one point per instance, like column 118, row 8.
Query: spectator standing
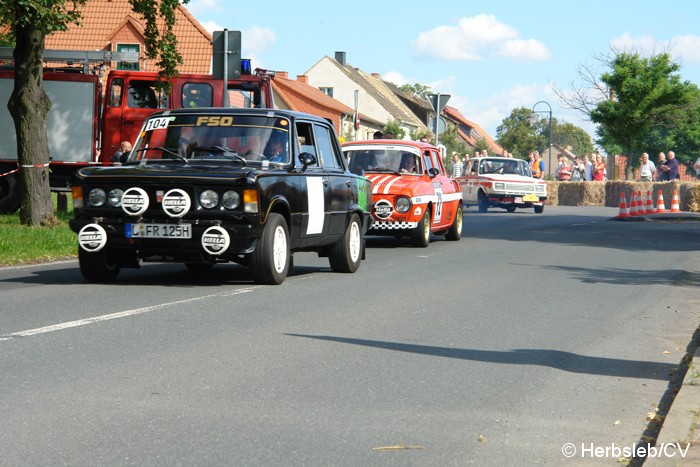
column 578, row 171
column 670, row 167
column 536, row 165
column 599, row 169
column 588, row 168
column 661, row 176
column 122, row 153
column 456, row 165
column 646, row 168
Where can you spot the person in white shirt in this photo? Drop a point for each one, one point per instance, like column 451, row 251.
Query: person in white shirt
column 646, row 168
column 588, row 165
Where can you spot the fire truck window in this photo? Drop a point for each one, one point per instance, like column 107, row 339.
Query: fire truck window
column 115, row 93
column 142, row 95
column 196, row 95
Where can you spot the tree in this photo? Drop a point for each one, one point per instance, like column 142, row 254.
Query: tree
column 416, row 90
column 647, row 95
column 30, row 22
column 394, row 127
column 518, row 135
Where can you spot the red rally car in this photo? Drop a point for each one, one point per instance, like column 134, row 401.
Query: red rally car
column 411, row 192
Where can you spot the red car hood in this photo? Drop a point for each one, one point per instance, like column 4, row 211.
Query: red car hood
column 386, row 183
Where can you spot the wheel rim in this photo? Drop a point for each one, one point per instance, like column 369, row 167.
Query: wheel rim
column 459, row 222
column 355, row 242
column 426, row 227
column 279, row 249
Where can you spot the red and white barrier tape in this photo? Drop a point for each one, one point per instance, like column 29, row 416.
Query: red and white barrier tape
column 25, row 166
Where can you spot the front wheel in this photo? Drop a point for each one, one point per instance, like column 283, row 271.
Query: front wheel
column 9, row 194
column 346, row 255
column 420, row 236
column 455, row 232
column 98, row 266
column 270, row 259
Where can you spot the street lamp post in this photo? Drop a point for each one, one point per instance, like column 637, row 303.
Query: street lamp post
column 533, row 117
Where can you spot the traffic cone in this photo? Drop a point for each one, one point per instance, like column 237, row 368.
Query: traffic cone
column 675, row 203
column 634, row 206
column 624, row 212
column 649, row 204
column 660, row 207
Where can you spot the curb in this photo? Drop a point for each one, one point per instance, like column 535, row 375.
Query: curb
column 682, row 424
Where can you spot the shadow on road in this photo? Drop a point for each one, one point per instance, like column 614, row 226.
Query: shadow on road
column 565, row 361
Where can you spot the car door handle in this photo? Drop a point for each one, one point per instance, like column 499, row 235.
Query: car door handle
column 325, row 182
column 348, row 183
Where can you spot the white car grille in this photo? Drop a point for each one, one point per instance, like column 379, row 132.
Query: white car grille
column 528, row 188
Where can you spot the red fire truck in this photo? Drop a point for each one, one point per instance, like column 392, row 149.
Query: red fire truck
column 86, row 125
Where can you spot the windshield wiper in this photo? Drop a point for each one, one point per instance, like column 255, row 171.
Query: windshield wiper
column 225, row 152
column 169, row 151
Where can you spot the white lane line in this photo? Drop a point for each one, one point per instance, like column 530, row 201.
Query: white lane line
column 121, row 314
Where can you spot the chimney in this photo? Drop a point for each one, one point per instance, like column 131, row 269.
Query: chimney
column 376, row 75
column 282, row 74
column 340, row 58
column 303, row 79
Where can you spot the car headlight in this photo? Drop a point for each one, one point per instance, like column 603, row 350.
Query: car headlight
column 499, row 186
column 539, row 188
column 231, row 200
column 115, row 197
column 209, row 199
column 402, row 204
column 97, row 197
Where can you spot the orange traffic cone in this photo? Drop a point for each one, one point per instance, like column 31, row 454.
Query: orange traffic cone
column 660, row 206
column 649, row 204
column 634, row 205
column 624, row 212
column 675, row 203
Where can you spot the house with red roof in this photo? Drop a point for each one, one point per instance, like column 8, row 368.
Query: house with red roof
column 111, row 25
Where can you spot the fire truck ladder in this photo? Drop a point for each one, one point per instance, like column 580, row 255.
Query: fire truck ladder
column 84, row 57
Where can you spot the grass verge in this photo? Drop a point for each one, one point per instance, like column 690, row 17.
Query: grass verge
column 22, row 244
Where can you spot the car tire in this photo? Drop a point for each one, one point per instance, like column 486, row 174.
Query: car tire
column 455, row 231
column 270, row 259
column 346, row 255
column 539, row 209
column 9, row 194
column 420, row 236
column 99, row 266
column 483, row 202
column 511, row 208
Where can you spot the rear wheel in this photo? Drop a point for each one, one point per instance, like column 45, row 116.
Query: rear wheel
column 270, row 260
column 539, row 209
column 455, row 232
column 346, row 255
column 483, row 202
column 99, row 266
column 510, row 208
column 420, row 236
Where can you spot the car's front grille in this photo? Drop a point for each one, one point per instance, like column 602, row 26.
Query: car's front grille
column 520, row 187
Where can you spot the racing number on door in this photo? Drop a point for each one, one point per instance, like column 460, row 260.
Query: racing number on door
column 438, row 206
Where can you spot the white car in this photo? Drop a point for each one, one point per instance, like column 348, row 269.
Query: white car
column 501, row 182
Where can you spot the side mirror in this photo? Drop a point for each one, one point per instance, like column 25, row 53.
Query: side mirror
column 307, row 159
column 433, row 172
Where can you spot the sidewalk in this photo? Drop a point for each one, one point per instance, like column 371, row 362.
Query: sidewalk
column 681, row 427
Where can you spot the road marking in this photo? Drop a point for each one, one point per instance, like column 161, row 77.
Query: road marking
column 121, row 314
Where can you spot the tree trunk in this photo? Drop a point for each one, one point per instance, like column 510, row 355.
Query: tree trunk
column 29, row 106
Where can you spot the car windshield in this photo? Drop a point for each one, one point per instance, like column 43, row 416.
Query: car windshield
column 396, row 160
column 190, row 137
column 504, row 166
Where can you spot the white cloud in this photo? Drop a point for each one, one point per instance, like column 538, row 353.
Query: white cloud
column 476, row 37
column 396, row 78
column 685, row 48
column 212, row 26
column 257, row 39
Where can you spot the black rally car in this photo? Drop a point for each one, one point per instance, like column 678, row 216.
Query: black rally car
column 207, row 186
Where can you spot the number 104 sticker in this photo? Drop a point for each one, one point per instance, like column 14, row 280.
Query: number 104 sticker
column 158, row 123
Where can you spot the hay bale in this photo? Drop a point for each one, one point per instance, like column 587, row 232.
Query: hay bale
column 552, row 193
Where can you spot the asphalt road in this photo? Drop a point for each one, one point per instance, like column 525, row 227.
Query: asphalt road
column 531, row 334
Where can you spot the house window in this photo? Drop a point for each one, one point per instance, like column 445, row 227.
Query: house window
column 327, row 91
column 128, row 48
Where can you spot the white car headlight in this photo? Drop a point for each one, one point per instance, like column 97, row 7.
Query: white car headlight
column 209, row 199
column 97, row 197
column 499, row 186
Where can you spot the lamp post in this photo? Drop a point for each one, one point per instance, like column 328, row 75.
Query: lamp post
column 533, row 119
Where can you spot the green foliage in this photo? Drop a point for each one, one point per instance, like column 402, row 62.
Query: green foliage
column 416, row 90
column 394, row 127
column 519, row 134
column 47, row 16
column 650, row 107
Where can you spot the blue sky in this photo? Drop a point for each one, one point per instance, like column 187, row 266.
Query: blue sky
column 490, row 56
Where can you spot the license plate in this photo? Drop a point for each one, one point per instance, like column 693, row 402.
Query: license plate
column 159, row 230
column 531, row 198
